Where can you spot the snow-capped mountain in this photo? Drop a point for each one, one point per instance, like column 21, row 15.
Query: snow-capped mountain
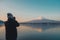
column 43, row 20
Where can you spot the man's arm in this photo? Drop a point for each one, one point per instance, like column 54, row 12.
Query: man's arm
column 17, row 24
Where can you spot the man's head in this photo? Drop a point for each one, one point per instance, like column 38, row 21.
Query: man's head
column 9, row 15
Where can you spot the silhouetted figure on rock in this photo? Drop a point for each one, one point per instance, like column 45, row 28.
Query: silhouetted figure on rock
column 10, row 25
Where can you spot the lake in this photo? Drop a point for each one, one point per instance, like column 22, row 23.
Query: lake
column 35, row 32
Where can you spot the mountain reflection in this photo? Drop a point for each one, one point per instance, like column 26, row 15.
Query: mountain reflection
column 41, row 27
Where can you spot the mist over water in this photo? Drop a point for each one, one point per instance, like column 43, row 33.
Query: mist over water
column 35, row 32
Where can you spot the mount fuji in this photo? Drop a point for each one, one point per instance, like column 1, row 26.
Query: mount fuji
column 43, row 20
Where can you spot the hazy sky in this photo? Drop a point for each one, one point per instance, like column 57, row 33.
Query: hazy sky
column 30, row 9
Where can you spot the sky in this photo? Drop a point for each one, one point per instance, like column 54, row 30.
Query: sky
column 25, row 10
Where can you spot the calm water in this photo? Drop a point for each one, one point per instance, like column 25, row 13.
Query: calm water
column 35, row 32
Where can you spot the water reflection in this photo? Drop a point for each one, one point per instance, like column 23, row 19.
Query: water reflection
column 2, row 33
column 40, row 32
column 43, row 27
column 35, row 32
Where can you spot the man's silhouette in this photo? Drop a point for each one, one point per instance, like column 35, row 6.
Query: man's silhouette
column 10, row 25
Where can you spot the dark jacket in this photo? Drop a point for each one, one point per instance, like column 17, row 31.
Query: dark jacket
column 11, row 31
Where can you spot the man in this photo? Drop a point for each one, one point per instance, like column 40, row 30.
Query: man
column 10, row 25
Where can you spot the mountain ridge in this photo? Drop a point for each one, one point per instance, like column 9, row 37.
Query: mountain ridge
column 43, row 20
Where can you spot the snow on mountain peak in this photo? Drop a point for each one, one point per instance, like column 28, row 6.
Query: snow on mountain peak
column 40, row 17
